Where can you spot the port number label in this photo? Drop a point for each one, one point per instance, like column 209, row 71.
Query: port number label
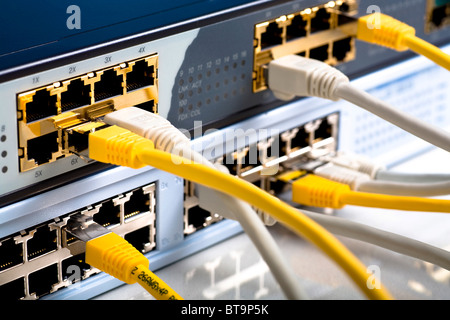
column 38, row 174
column 35, row 79
column 141, row 49
column 108, row 59
column 72, row 69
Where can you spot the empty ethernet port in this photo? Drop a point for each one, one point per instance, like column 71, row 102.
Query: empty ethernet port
column 230, row 162
column 44, row 241
column 138, row 203
column 197, row 217
column 297, row 28
column 319, row 53
column 41, row 282
column 41, row 148
column 142, row 75
column 272, row 36
column 11, row 254
column 321, row 21
column 77, row 142
column 110, row 85
column 252, row 158
column 42, row 106
column 77, row 95
column 108, row 214
column 439, row 14
column 13, row 290
column 344, row 7
column 148, row 106
column 341, row 48
column 301, row 140
column 324, row 131
column 276, row 149
column 140, row 239
column 71, row 267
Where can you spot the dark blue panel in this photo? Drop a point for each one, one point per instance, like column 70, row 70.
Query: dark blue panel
column 33, row 30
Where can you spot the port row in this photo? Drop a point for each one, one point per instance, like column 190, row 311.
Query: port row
column 36, row 261
column 320, row 32
column 44, row 112
column 261, row 162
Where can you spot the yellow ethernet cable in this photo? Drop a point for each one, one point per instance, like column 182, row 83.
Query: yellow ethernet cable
column 312, row 190
column 386, row 31
column 121, row 147
column 114, row 255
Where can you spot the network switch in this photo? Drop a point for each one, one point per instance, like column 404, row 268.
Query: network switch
column 40, row 260
column 206, row 74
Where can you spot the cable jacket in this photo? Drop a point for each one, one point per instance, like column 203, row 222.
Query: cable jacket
column 395, row 202
column 282, row 212
column 406, row 189
column 153, row 285
column 382, row 238
column 387, row 175
column 428, row 50
column 431, row 134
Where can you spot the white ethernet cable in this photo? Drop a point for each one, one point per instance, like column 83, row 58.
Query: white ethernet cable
column 385, row 239
column 294, row 75
column 168, row 138
column 417, row 189
column 388, row 175
column 363, row 175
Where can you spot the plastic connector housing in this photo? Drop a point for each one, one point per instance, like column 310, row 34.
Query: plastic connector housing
column 294, row 75
column 316, row 191
column 149, row 125
column 384, row 30
column 115, row 256
column 117, row 146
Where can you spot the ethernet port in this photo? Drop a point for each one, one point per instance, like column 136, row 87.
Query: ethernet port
column 230, row 162
column 142, row 75
column 197, row 217
column 140, row 239
column 319, row 53
column 41, row 282
column 77, row 142
column 297, row 28
column 252, row 158
column 324, row 131
column 344, row 7
column 42, row 106
column 274, row 150
column 341, row 48
column 272, row 36
column 41, row 148
column 77, row 95
column 301, row 140
column 148, row 106
column 321, row 21
column 344, row 19
column 108, row 214
column 44, row 241
column 14, row 290
column 73, row 268
column 11, row 254
column 110, row 85
column 138, row 203
column 438, row 15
